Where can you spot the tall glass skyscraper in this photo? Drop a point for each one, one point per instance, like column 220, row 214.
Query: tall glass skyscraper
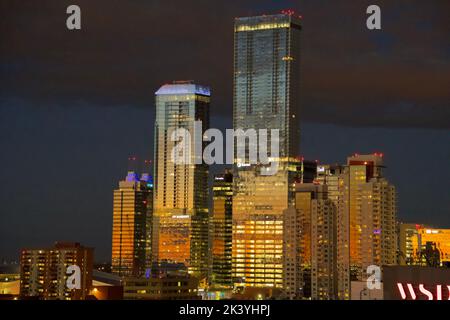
column 181, row 190
column 266, row 96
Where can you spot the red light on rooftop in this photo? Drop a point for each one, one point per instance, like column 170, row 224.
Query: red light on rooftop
column 378, row 154
column 288, row 12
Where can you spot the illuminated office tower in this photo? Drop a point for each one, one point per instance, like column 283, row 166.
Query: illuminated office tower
column 181, row 178
column 309, row 233
column 436, row 239
column 43, row 271
column 423, row 246
column 222, row 230
column 132, row 225
column 366, row 220
column 266, row 96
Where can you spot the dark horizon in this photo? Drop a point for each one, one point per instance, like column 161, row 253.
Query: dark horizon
column 75, row 105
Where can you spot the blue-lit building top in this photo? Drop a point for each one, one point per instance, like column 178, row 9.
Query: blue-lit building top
column 183, row 88
column 134, row 177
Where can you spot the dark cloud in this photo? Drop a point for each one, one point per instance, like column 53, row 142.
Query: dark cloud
column 397, row 77
column 67, row 124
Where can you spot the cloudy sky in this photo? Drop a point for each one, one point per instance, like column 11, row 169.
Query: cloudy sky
column 75, row 104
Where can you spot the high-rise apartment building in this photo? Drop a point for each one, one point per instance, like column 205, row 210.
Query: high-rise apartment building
column 323, row 250
column 132, row 225
column 266, row 96
column 377, row 206
column 222, row 230
column 366, row 220
column 44, row 272
column 330, row 175
column 293, row 282
column 310, row 236
column 181, row 179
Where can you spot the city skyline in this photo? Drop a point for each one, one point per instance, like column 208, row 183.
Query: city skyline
column 385, row 146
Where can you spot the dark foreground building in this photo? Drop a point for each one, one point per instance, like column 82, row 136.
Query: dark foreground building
column 416, row 283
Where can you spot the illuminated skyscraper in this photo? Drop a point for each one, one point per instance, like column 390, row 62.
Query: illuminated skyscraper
column 267, row 76
column 221, row 230
column 266, row 96
column 424, row 246
column 132, row 224
column 181, row 179
column 366, row 220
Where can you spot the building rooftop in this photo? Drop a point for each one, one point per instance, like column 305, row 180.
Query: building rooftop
column 105, row 278
column 184, row 87
column 285, row 19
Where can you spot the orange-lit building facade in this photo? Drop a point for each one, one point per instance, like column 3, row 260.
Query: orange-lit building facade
column 132, row 225
column 424, row 246
column 257, row 249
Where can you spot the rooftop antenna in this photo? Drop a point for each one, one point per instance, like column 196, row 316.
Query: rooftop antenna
column 132, row 163
column 183, row 82
column 147, row 166
column 146, row 171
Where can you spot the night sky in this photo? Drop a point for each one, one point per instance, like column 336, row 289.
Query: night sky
column 74, row 105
